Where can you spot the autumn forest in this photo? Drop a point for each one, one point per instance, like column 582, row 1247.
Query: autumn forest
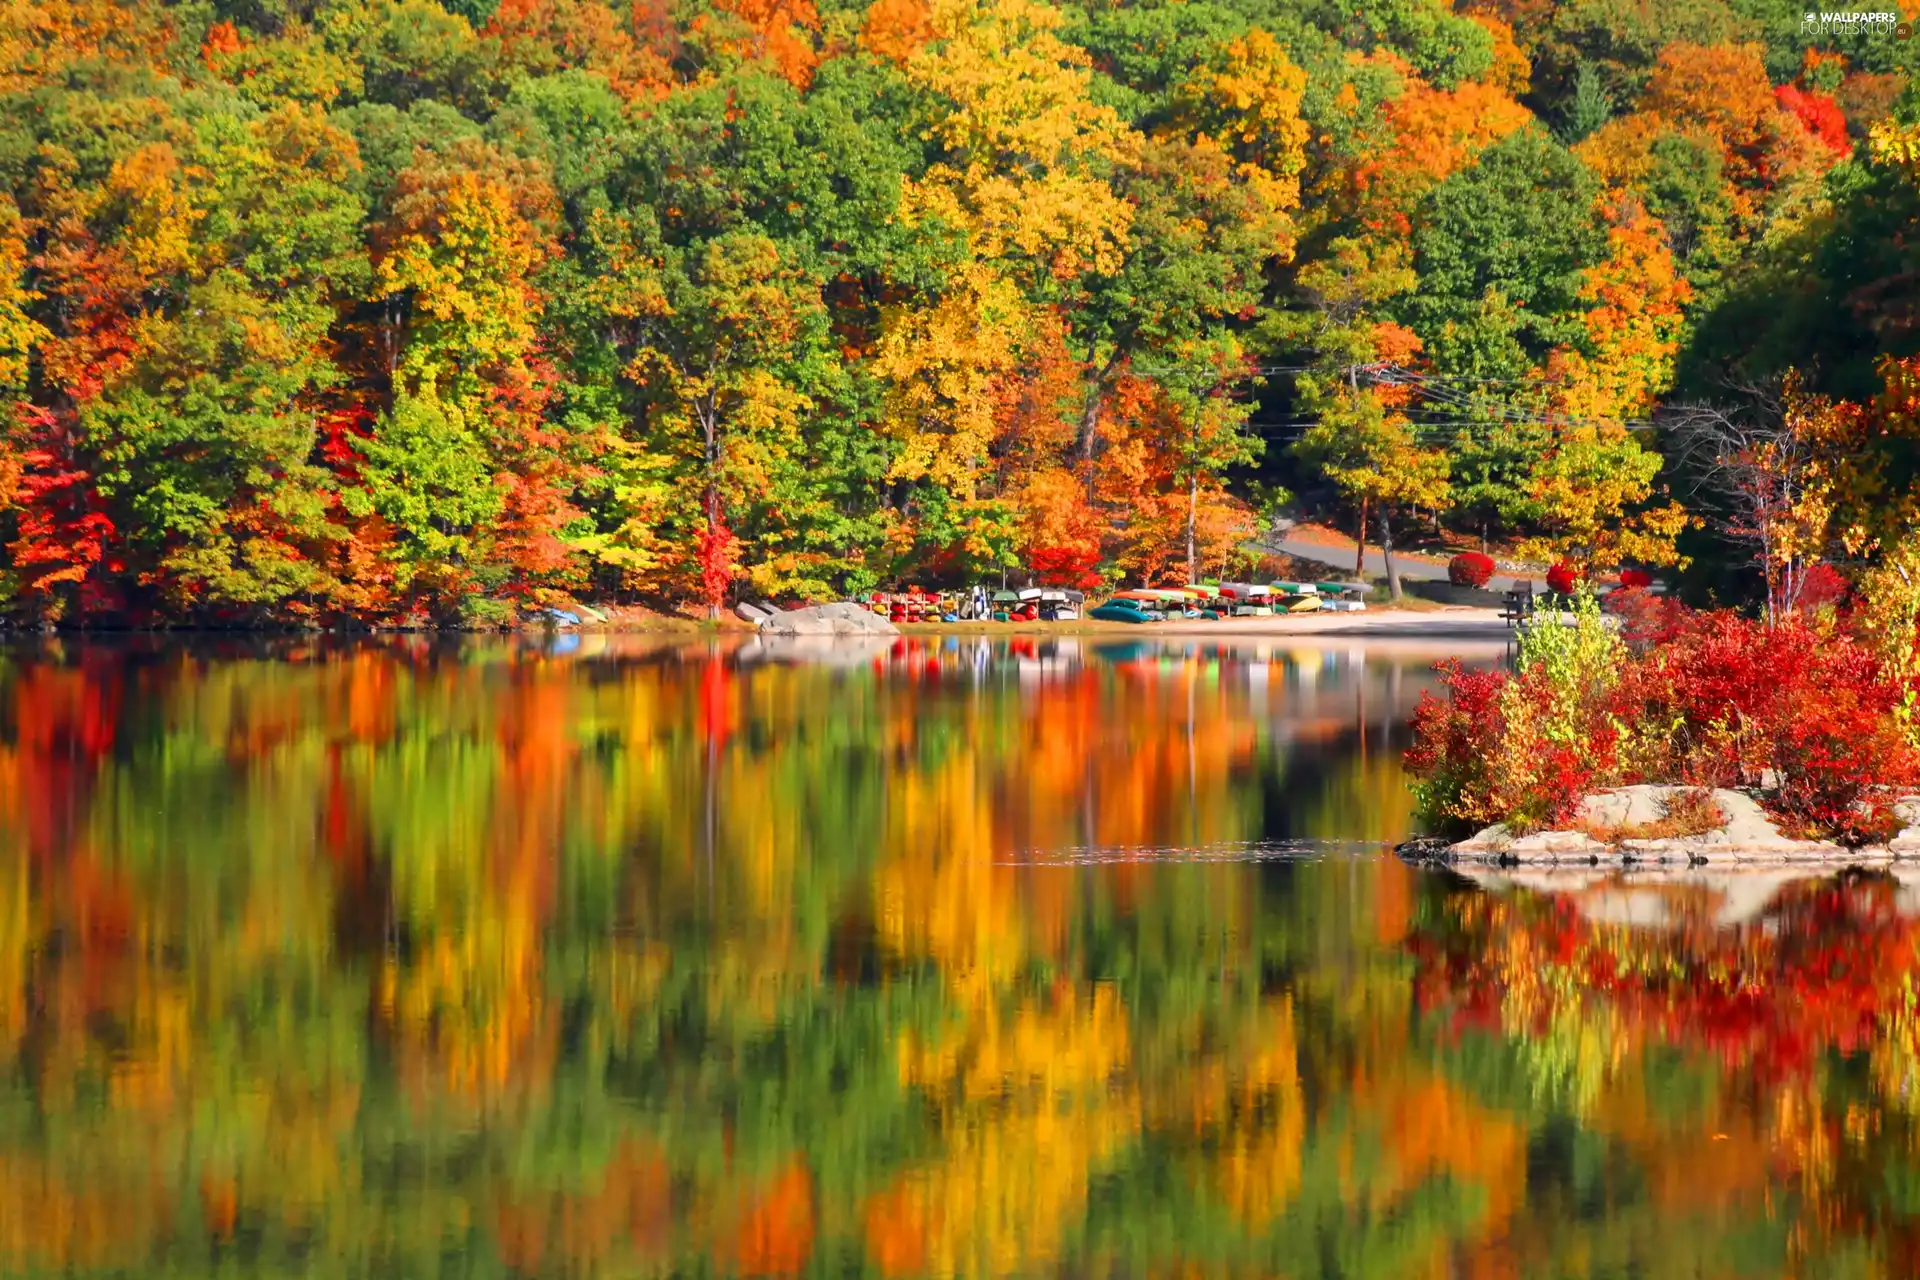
column 342, row 310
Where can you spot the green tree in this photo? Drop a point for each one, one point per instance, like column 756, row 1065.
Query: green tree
column 1358, row 437
column 1518, row 221
column 1591, row 105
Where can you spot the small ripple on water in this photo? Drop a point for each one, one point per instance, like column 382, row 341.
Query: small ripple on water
column 1303, row 850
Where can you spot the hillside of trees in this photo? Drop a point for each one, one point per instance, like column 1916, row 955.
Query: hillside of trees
column 343, row 310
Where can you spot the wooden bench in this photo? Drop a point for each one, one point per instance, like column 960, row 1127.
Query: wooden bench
column 1519, row 604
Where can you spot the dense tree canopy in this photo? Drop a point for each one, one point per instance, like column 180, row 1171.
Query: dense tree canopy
column 352, row 309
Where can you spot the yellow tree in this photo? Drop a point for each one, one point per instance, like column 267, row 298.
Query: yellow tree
column 720, row 338
column 1249, row 105
column 453, row 270
column 1375, row 457
column 1359, row 438
column 1026, row 148
column 19, row 334
column 1593, row 490
column 943, row 362
column 1026, row 156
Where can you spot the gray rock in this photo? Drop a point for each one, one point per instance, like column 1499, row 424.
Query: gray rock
column 1907, row 843
column 1748, row 825
column 1560, row 846
column 1679, row 849
column 1425, row 849
column 1492, row 840
column 815, row 651
column 1746, row 837
column 841, row 619
column 1627, row 806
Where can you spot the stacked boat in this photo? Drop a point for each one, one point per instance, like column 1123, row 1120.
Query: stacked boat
column 1248, row 599
column 1157, row 604
column 1037, row 604
column 1231, row 600
column 1197, row 600
column 1313, row 597
column 1034, row 604
column 1343, row 597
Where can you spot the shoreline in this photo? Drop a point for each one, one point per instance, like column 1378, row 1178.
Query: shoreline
column 1452, row 622
column 1455, row 622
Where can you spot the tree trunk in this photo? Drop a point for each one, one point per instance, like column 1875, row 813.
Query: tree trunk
column 1089, row 430
column 710, row 428
column 1386, row 549
column 1483, row 535
column 1193, row 504
column 1360, row 551
column 713, row 534
column 1090, row 417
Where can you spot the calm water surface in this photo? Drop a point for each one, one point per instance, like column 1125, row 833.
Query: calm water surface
column 591, row 957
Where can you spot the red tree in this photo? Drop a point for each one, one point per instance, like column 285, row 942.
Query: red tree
column 1822, row 116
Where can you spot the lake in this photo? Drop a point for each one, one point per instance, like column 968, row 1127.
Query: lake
column 598, row 956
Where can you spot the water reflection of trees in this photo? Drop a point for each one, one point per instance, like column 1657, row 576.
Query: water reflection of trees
column 1744, row 1046
column 357, row 960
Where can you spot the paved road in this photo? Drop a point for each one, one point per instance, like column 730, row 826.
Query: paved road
column 1341, row 560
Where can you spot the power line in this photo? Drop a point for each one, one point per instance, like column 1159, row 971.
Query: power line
column 1453, row 402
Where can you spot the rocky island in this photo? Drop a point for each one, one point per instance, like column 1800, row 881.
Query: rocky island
column 1664, row 825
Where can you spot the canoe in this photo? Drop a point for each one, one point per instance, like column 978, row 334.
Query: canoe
column 1123, row 609
column 1305, row 604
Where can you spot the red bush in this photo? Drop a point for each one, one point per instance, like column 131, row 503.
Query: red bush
column 1564, row 577
column 1803, row 711
column 1824, row 585
column 1646, row 619
column 1631, row 579
column 1074, row 565
column 1475, row 768
column 1470, row 569
column 1453, row 740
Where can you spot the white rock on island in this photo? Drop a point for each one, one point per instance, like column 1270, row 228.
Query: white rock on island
column 841, row 619
column 1746, row 836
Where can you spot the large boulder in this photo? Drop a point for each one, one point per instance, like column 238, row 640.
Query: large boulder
column 842, row 619
column 1746, row 834
column 1636, row 806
